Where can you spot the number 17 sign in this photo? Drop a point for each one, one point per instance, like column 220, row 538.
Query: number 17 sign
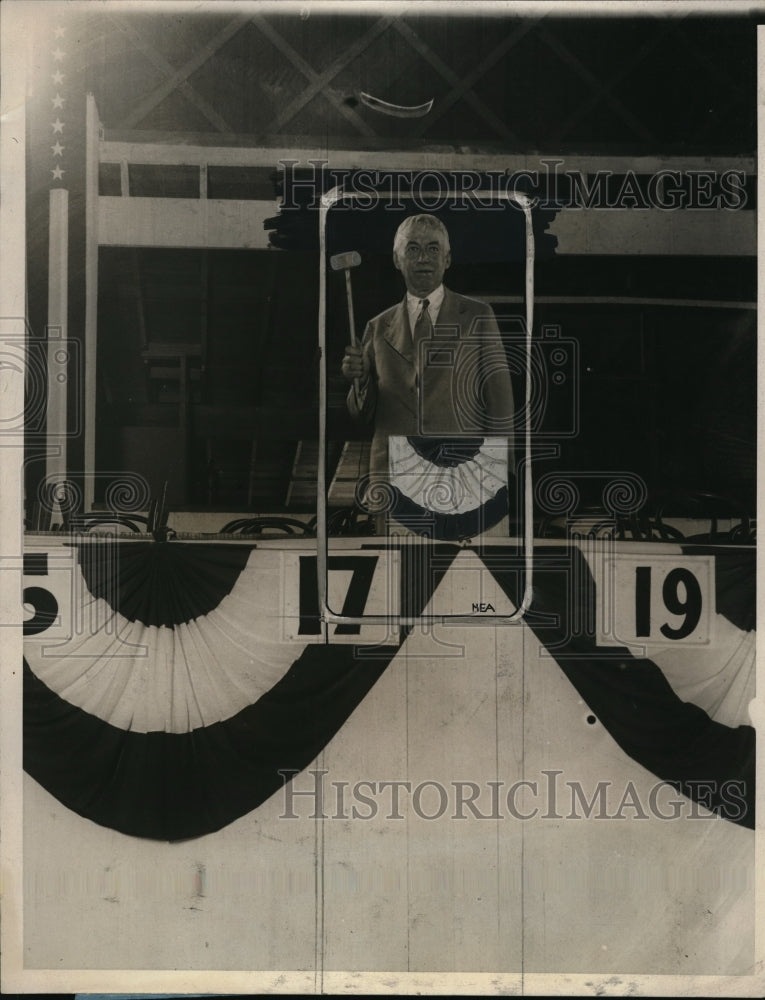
column 657, row 598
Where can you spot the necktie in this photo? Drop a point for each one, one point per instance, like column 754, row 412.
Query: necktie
column 423, row 330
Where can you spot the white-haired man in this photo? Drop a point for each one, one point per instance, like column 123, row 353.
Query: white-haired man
column 434, row 364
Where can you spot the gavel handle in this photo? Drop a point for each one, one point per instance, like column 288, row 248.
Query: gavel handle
column 354, row 342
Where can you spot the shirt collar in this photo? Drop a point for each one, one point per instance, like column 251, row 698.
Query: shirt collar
column 435, row 298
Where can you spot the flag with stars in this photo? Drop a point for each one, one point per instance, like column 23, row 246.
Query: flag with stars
column 56, row 101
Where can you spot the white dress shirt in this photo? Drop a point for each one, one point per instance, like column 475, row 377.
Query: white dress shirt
column 414, row 306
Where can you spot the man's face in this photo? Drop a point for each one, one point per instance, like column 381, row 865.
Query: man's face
column 423, row 259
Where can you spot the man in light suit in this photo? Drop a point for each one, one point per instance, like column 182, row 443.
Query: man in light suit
column 433, row 365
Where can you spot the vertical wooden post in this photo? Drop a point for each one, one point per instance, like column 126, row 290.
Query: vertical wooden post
column 91, row 298
column 58, row 355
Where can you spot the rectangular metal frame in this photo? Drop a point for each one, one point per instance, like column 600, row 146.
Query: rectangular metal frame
column 328, row 615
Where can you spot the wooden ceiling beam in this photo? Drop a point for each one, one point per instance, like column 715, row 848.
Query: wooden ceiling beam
column 194, row 149
column 603, row 90
column 663, row 27
column 448, row 74
column 318, row 82
column 177, row 79
column 470, row 79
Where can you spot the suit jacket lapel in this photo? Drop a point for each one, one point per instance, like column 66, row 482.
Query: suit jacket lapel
column 450, row 313
column 398, row 334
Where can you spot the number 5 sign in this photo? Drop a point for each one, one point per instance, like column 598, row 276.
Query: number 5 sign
column 656, row 599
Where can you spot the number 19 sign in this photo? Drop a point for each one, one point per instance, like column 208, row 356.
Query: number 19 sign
column 657, row 598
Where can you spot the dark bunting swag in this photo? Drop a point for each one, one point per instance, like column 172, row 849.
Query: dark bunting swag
column 162, row 700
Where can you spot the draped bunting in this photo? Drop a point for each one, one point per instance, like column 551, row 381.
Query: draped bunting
column 449, row 488
column 146, row 662
column 675, row 739
column 735, row 582
column 176, row 704
column 163, row 584
column 171, row 786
